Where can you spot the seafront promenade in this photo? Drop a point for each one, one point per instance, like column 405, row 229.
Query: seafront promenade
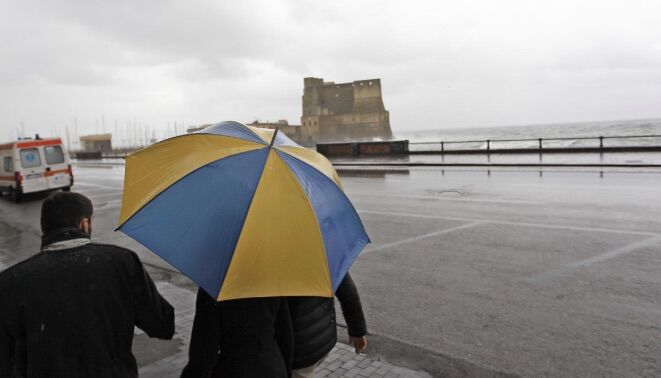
column 472, row 271
column 166, row 359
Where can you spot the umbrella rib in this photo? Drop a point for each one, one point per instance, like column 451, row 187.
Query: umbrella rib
column 313, row 167
column 329, row 179
column 253, row 132
column 226, row 136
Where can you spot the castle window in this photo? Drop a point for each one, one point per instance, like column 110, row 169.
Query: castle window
column 370, row 83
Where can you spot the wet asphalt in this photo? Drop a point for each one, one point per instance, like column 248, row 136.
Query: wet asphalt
column 525, row 272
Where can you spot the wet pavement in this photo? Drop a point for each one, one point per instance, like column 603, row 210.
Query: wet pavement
column 341, row 361
column 475, row 272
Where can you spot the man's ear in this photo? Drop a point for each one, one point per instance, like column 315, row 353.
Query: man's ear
column 85, row 225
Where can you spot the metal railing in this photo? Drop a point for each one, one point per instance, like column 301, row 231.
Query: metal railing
column 540, row 142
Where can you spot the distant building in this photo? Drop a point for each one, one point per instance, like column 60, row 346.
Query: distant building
column 347, row 111
column 95, row 143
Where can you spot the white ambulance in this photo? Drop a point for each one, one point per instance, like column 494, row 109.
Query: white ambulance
column 34, row 165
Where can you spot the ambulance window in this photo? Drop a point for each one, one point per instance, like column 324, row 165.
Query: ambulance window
column 54, row 154
column 30, row 158
column 9, row 164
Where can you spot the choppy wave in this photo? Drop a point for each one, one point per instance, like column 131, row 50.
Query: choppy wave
column 549, row 131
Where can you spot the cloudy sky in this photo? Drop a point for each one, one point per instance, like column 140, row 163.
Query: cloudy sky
column 443, row 64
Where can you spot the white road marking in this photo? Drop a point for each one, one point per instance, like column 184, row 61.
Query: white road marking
column 105, row 195
column 112, row 178
column 78, row 183
column 509, row 223
column 617, row 188
column 420, row 237
column 567, row 186
column 453, row 199
column 109, row 205
column 96, row 191
column 655, row 240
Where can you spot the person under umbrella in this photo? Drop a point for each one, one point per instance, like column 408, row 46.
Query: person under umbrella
column 250, row 337
column 251, row 217
column 315, row 331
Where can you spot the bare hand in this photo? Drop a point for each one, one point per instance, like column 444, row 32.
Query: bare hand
column 359, row 343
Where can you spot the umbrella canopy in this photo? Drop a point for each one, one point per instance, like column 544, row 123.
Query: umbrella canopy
column 242, row 211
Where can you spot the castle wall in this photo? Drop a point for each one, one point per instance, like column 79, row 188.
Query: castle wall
column 347, row 111
column 336, row 112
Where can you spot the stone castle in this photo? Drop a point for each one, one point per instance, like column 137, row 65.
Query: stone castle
column 338, row 112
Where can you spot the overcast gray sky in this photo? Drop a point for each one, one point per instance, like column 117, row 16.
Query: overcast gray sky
column 443, row 64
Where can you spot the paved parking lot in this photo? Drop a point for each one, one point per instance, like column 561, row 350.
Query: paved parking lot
column 471, row 272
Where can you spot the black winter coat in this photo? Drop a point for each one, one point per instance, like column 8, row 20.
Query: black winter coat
column 240, row 338
column 313, row 319
column 71, row 313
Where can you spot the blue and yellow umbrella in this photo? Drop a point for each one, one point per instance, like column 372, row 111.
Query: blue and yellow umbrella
column 243, row 211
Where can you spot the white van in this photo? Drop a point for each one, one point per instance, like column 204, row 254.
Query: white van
column 34, row 165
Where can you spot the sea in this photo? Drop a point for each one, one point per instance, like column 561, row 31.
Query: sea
column 644, row 132
column 594, row 130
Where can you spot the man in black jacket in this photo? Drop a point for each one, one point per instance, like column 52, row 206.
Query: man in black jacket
column 315, row 334
column 240, row 338
column 70, row 310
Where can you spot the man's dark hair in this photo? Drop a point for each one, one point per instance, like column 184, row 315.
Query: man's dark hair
column 64, row 209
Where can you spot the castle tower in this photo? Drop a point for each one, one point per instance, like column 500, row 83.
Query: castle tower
column 347, row 111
